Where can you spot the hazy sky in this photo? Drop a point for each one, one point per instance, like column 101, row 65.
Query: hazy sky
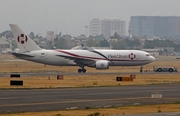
column 71, row 16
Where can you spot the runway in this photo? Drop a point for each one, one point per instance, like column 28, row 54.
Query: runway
column 83, row 98
column 76, row 73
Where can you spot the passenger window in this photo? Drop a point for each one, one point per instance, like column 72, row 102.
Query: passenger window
column 42, row 53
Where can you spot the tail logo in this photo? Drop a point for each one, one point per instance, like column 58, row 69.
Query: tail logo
column 22, row 38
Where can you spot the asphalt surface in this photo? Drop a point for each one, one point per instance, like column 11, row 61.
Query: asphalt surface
column 82, row 98
column 88, row 73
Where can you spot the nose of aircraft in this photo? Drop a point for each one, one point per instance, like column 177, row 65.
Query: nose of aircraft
column 151, row 58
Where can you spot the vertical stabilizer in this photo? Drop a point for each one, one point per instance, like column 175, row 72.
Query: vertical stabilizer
column 24, row 42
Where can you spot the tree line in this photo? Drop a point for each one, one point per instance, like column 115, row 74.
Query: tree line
column 115, row 42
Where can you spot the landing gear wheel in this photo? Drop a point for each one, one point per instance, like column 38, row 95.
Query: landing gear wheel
column 79, row 70
column 141, row 69
column 84, row 70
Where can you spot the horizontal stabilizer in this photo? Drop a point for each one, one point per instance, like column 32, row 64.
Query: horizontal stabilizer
column 19, row 55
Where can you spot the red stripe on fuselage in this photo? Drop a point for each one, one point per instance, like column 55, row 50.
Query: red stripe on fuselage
column 78, row 56
column 94, row 58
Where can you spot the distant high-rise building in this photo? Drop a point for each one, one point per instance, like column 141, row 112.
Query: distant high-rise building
column 107, row 27
column 95, row 27
column 119, row 27
column 151, row 26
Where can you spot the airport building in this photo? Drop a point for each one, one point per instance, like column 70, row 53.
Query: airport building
column 155, row 26
column 107, row 27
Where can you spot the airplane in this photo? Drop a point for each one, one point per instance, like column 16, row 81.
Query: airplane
column 99, row 59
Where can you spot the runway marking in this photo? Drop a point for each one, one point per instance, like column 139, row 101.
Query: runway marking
column 74, row 101
column 6, row 98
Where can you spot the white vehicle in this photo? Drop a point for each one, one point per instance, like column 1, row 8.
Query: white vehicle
column 165, row 69
column 99, row 59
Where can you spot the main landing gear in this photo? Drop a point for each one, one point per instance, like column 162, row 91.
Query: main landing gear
column 141, row 69
column 82, row 69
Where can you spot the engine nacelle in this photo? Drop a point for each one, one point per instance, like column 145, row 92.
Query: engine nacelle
column 102, row 64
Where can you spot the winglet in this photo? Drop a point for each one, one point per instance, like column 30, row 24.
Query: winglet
column 86, row 48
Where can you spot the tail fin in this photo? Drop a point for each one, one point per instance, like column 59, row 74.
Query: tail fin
column 24, row 42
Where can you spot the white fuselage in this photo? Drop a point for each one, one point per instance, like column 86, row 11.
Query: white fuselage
column 116, row 57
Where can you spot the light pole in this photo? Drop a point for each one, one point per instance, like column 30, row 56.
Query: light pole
column 86, row 30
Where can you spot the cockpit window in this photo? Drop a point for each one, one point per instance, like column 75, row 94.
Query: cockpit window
column 147, row 54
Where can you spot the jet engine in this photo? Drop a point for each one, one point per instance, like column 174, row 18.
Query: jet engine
column 102, row 64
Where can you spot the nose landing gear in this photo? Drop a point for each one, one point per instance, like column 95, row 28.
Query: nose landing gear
column 141, row 69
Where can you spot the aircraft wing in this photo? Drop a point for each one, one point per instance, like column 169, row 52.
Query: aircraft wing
column 93, row 50
column 79, row 61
